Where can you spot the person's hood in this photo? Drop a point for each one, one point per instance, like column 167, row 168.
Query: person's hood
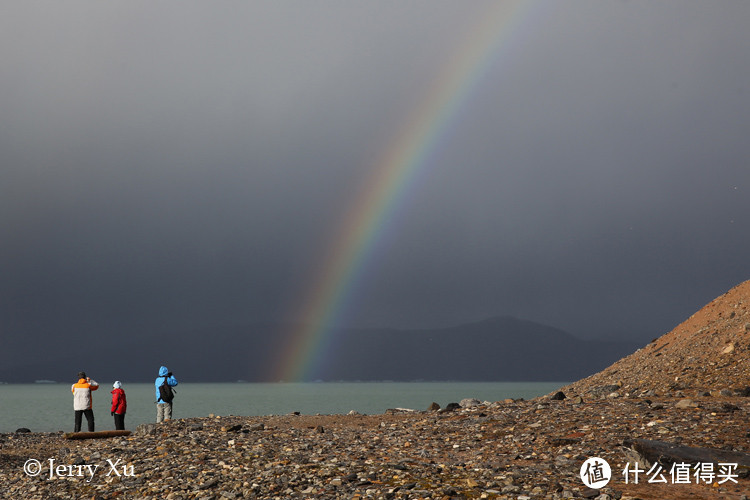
column 163, row 371
column 81, row 380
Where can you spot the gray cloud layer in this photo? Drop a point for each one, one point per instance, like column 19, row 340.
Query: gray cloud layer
column 176, row 164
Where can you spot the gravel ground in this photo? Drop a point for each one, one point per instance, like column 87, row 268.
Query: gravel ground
column 513, row 450
column 689, row 387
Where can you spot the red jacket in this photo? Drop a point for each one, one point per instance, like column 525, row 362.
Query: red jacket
column 119, row 404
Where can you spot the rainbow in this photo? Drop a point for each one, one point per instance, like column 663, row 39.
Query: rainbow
column 394, row 173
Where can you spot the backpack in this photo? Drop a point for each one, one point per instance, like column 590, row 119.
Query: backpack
column 166, row 394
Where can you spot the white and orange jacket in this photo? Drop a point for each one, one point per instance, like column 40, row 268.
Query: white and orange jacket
column 82, row 394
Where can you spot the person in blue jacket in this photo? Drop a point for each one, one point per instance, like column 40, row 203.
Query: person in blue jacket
column 163, row 408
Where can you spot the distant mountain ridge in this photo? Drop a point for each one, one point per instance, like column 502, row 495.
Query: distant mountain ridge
column 496, row 349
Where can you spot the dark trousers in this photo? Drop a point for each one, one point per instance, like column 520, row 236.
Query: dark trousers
column 89, row 418
column 119, row 421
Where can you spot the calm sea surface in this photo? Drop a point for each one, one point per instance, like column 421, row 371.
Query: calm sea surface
column 49, row 407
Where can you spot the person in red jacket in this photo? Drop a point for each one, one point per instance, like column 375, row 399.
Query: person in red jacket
column 119, row 406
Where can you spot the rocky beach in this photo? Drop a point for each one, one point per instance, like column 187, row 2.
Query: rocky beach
column 689, row 388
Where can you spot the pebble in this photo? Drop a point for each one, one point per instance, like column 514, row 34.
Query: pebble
column 509, row 449
column 503, row 450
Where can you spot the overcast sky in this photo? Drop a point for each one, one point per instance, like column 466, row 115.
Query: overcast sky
column 176, row 164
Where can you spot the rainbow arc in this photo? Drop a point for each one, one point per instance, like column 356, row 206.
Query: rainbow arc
column 395, row 173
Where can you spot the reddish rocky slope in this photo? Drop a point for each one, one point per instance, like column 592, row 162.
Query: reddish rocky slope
column 709, row 352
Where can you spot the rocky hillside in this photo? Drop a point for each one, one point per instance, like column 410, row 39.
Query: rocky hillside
column 709, row 352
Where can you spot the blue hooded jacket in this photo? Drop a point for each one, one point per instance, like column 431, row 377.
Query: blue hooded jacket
column 163, row 371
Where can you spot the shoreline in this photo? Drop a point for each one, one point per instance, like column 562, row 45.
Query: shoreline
column 198, row 400
column 513, row 449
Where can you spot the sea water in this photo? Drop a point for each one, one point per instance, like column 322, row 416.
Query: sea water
column 49, row 407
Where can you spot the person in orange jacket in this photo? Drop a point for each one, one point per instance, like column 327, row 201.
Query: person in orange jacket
column 119, row 405
column 82, row 400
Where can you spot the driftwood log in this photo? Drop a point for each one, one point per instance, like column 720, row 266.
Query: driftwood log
column 668, row 453
column 95, row 435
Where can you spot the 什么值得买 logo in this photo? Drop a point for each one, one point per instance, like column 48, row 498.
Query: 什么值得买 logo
column 596, row 473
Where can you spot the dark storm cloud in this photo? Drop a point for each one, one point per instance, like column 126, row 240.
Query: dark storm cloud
column 168, row 165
